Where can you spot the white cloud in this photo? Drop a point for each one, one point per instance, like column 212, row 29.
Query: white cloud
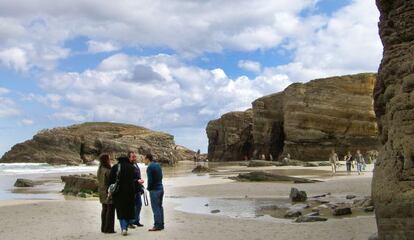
column 26, row 122
column 156, row 91
column 97, row 47
column 250, row 65
column 8, row 108
column 4, row 91
column 14, row 58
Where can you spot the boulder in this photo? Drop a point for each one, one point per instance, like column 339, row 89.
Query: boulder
column 21, row 182
column 230, row 137
column 83, row 143
column 202, row 169
column 297, row 196
column 303, row 219
column 392, row 185
column 350, row 196
column 339, row 211
column 75, row 184
column 260, row 163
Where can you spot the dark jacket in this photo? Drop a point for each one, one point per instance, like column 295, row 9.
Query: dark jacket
column 138, row 187
column 103, row 183
column 124, row 198
column 154, row 174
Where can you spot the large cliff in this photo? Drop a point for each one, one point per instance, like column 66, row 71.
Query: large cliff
column 393, row 182
column 306, row 121
column 229, row 137
column 83, row 143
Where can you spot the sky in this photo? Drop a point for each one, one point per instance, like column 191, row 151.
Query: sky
column 169, row 65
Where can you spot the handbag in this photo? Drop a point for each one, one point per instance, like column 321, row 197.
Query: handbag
column 114, row 187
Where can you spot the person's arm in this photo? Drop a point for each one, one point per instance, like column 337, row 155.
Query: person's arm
column 112, row 175
column 150, row 177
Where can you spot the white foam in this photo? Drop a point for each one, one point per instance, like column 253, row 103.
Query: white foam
column 41, row 168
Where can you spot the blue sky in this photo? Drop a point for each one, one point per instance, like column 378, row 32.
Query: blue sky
column 168, row 65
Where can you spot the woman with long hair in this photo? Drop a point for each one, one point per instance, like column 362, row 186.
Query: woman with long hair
column 108, row 209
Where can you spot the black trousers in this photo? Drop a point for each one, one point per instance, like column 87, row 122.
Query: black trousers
column 107, row 218
column 348, row 167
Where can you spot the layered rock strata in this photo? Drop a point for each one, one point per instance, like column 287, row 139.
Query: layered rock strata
column 305, row 121
column 393, row 182
column 84, row 143
column 230, row 137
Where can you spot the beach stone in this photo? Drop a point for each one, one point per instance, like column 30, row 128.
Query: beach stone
column 74, row 184
column 339, row 211
column 374, row 236
column 392, row 184
column 292, row 213
column 302, row 219
column 202, row 169
column 259, row 163
column 21, row 182
column 215, row 211
column 313, row 214
column 83, row 143
column 369, row 209
column 350, row 196
column 260, row 176
column 297, row 196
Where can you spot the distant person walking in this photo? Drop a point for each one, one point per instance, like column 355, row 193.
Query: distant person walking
column 108, row 209
column 139, row 190
column 156, row 189
column 348, row 162
column 359, row 159
column 124, row 199
column 333, row 159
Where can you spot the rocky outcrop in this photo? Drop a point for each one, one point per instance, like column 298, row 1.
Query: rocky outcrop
column 393, row 182
column 80, row 185
column 332, row 113
column 83, row 143
column 305, row 121
column 268, row 134
column 230, row 137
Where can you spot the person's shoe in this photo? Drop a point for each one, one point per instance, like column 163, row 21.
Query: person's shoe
column 131, row 226
column 154, row 229
column 139, row 225
column 124, row 232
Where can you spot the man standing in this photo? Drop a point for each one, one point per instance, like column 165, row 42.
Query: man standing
column 138, row 189
column 333, row 159
column 156, row 189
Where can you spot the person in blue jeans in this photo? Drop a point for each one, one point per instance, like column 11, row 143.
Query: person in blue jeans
column 156, row 189
column 139, row 190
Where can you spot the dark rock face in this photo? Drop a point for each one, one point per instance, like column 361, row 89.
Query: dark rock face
column 268, row 134
column 20, row 182
column 230, row 137
column 305, row 121
column 393, row 182
column 83, row 143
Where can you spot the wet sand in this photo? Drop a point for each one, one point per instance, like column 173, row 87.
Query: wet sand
column 80, row 219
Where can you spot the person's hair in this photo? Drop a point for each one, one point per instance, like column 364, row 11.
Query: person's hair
column 104, row 161
column 149, row 157
column 130, row 152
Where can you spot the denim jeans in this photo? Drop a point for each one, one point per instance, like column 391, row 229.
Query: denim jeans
column 156, row 205
column 125, row 222
column 138, row 206
column 359, row 167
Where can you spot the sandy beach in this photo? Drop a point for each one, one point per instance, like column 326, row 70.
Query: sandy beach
column 185, row 194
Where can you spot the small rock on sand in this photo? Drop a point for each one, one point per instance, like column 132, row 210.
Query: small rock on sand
column 302, row 219
column 341, row 211
column 215, row 211
column 297, row 196
column 21, row 182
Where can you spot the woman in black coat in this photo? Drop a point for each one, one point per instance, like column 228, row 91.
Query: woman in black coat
column 124, row 198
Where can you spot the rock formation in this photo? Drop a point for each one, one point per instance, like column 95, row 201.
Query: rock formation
column 230, row 137
column 305, row 121
column 393, row 183
column 329, row 113
column 83, row 143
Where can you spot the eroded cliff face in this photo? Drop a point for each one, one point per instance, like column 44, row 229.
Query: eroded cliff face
column 332, row 113
column 83, row 143
column 393, row 182
column 268, row 134
column 305, row 120
column 230, row 137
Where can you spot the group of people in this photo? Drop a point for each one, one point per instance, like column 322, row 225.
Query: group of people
column 126, row 201
column 349, row 161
